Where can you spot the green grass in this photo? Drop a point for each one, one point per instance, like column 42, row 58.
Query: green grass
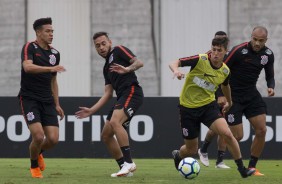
column 151, row 171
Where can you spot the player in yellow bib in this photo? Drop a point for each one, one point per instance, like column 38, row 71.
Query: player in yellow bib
column 198, row 104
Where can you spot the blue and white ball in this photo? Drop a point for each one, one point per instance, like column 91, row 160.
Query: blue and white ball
column 189, row 168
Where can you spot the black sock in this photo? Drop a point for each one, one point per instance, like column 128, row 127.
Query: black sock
column 220, row 155
column 126, row 154
column 177, row 157
column 205, row 145
column 34, row 163
column 120, row 162
column 253, row 162
column 239, row 164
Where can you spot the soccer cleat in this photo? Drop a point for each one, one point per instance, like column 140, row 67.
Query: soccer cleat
column 246, row 172
column 35, row 172
column 114, row 175
column 126, row 168
column 41, row 162
column 175, row 156
column 222, row 165
column 257, row 173
column 204, row 158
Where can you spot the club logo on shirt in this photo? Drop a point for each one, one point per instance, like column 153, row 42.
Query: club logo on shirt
column 230, row 118
column 111, row 58
column 54, row 51
column 35, row 46
column 30, row 116
column 244, row 51
column 268, row 51
column 52, row 59
column 264, row 60
column 203, row 57
column 225, row 70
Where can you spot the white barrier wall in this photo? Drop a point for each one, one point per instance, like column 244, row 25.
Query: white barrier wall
column 71, row 23
column 187, row 28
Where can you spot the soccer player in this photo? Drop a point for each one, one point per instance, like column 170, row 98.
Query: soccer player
column 38, row 94
column 246, row 62
column 119, row 73
column 203, row 151
column 198, row 104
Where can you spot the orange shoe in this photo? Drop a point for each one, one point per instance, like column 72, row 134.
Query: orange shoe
column 35, row 172
column 257, row 172
column 41, row 162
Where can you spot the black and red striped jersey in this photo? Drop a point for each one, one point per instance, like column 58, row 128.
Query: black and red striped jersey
column 122, row 56
column 38, row 86
column 245, row 66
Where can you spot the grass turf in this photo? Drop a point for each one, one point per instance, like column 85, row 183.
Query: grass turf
column 151, row 171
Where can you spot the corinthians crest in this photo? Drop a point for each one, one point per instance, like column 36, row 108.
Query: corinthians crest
column 264, row 60
column 52, row 59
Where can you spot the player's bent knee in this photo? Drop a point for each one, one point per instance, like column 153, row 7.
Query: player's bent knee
column 238, row 137
column 261, row 132
column 38, row 138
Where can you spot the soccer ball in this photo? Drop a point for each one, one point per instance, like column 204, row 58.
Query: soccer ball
column 189, row 168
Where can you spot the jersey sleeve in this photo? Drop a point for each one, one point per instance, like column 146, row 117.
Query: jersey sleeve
column 124, row 53
column 269, row 72
column 226, row 81
column 27, row 52
column 107, row 80
column 189, row 61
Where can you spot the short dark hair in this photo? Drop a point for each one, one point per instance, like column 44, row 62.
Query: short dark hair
column 220, row 41
column 220, row 33
column 40, row 22
column 101, row 33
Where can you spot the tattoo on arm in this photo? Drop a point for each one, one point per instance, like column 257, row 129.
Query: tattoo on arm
column 135, row 64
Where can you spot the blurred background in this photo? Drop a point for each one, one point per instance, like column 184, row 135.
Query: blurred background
column 157, row 32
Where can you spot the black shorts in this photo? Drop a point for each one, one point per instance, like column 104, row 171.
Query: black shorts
column 130, row 100
column 249, row 105
column 191, row 118
column 35, row 111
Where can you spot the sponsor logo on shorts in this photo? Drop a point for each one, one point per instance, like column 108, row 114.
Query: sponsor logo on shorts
column 230, row 118
column 185, row 131
column 130, row 112
column 30, row 116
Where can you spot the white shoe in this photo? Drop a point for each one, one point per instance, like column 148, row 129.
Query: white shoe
column 204, row 158
column 114, row 175
column 126, row 168
column 222, row 165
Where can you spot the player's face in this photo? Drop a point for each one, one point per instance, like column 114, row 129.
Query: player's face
column 45, row 34
column 258, row 39
column 103, row 45
column 217, row 53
